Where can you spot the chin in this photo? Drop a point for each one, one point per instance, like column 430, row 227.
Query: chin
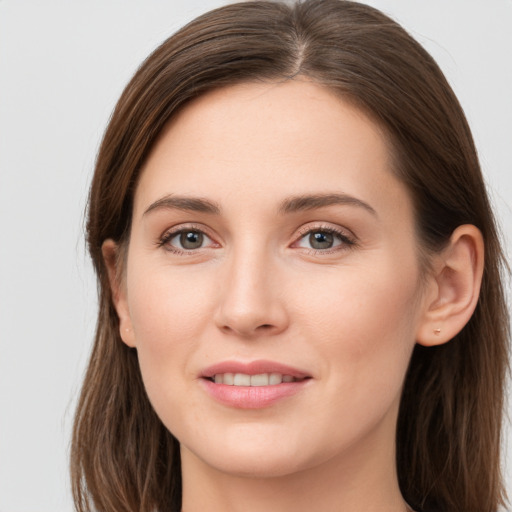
column 252, row 456
column 240, row 465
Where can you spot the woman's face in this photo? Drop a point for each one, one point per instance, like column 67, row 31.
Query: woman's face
column 272, row 244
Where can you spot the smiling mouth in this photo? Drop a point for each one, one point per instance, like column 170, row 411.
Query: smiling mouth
column 253, row 385
column 262, row 379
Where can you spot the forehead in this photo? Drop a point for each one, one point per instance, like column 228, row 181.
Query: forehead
column 263, row 141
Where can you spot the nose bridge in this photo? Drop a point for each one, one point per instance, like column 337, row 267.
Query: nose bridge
column 251, row 302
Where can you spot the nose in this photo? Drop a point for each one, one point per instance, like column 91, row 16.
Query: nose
column 252, row 302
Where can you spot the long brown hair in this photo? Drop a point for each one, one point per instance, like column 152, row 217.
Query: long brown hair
column 448, row 433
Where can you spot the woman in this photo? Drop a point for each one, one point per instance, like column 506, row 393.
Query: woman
column 289, row 227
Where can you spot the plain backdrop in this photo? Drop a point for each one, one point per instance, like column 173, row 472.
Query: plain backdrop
column 63, row 64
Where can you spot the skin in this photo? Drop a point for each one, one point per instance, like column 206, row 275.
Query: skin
column 349, row 316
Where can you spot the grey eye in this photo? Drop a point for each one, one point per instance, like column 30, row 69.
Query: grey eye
column 321, row 240
column 186, row 240
column 191, row 239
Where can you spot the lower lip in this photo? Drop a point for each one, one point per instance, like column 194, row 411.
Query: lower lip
column 252, row 397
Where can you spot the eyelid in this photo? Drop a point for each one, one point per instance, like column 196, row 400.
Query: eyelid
column 348, row 239
column 324, row 226
column 173, row 231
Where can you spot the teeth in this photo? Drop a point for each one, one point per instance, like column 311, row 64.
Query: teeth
column 275, row 378
column 262, row 379
column 259, row 380
column 229, row 378
column 242, row 380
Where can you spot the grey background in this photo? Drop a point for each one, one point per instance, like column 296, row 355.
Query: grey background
column 62, row 66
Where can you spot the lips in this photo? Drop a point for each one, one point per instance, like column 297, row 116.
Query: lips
column 253, row 385
column 253, row 368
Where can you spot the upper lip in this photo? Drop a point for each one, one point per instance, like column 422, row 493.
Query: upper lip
column 252, row 368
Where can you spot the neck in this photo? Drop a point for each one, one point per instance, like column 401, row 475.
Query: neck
column 362, row 479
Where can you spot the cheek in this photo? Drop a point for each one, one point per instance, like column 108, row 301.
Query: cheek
column 365, row 305
column 168, row 313
column 363, row 328
column 167, row 308
column 363, row 323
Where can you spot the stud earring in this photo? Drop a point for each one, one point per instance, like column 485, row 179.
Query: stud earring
column 437, row 332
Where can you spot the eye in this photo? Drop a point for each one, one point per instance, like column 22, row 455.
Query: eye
column 187, row 239
column 320, row 240
column 324, row 239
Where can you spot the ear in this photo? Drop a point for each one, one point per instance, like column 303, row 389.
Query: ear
column 111, row 257
column 453, row 287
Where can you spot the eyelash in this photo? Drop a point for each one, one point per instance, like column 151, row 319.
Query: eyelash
column 169, row 235
column 347, row 241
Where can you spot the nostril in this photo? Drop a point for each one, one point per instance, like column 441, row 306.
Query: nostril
column 263, row 328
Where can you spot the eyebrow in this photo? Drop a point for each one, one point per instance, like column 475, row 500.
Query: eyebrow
column 194, row 204
column 290, row 205
column 311, row 202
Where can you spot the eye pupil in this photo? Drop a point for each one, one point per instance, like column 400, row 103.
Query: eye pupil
column 321, row 240
column 191, row 239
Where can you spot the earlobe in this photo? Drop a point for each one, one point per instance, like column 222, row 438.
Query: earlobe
column 454, row 287
column 110, row 252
